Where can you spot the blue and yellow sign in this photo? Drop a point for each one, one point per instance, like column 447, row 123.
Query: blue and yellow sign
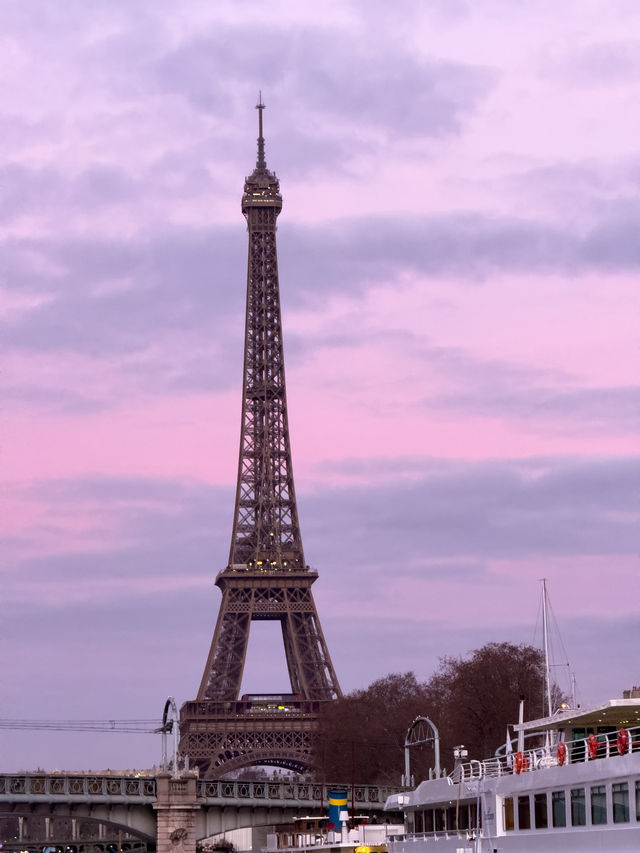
column 337, row 804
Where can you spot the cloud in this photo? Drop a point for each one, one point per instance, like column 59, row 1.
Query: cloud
column 46, row 190
column 124, row 295
column 53, row 400
column 351, row 255
column 551, row 402
column 499, row 509
column 386, row 88
column 603, row 64
column 425, row 517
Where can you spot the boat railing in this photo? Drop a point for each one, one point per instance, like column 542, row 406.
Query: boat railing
column 436, row 834
column 591, row 748
column 604, row 745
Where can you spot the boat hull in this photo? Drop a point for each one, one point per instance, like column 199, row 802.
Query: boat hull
column 586, row 840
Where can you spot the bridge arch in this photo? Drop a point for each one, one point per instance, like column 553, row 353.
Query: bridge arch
column 65, row 825
column 230, row 760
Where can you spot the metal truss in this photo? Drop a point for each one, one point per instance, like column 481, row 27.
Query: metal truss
column 249, row 596
column 267, row 576
column 266, row 532
column 233, row 744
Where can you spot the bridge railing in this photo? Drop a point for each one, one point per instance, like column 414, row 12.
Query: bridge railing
column 83, row 786
column 302, row 792
column 35, row 786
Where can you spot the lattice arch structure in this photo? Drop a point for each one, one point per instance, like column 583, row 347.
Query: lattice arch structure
column 233, row 750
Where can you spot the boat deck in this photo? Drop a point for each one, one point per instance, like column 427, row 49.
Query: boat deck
column 591, row 748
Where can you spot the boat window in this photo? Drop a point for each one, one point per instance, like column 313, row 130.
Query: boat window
column 428, row 820
column 524, row 814
column 578, row 746
column 620, row 799
column 540, row 810
column 438, row 820
column 508, row 813
column 463, row 817
column 598, row 804
column 419, row 822
column 411, row 823
column 578, row 813
column 609, row 742
column 451, row 817
column 558, row 808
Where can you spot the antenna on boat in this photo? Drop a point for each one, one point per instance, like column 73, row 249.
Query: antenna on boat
column 520, row 722
column 545, row 634
column 551, row 633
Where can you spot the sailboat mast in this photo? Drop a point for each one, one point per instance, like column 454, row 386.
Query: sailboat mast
column 545, row 634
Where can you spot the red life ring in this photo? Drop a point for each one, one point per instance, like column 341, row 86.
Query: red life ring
column 562, row 753
column 518, row 761
column 592, row 746
column 622, row 741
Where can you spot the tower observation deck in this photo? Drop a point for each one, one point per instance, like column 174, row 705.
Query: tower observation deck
column 267, row 577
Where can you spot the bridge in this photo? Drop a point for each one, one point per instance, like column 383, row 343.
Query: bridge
column 106, row 813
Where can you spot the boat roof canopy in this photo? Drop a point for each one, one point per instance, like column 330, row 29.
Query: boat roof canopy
column 615, row 712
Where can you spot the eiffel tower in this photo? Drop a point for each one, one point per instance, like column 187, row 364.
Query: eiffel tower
column 267, row 577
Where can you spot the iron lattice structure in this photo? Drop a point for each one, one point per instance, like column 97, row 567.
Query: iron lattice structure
column 267, row 577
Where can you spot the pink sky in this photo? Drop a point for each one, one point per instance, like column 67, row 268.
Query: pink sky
column 458, row 268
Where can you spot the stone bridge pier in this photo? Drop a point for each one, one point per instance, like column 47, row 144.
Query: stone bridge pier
column 176, row 805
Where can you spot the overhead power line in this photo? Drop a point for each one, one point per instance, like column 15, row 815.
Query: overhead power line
column 120, row 726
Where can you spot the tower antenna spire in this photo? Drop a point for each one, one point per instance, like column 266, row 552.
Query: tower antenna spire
column 261, row 163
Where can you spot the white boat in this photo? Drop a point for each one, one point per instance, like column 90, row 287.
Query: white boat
column 312, row 835
column 578, row 792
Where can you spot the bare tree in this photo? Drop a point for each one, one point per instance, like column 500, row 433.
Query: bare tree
column 361, row 736
column 471, row 700
column 478, row 697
